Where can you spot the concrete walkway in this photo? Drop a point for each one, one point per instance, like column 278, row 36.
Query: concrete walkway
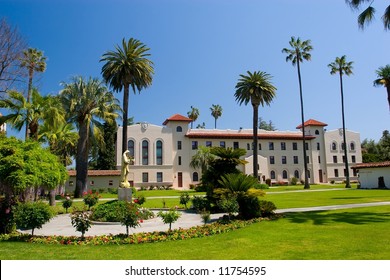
column 61, row 224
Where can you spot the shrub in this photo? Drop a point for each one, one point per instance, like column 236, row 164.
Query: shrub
column 268, row 182
column 261, row 186
column 151, row 188
column 184, row 199
column 140, row 199
column 91, row 198
column 113, row 190
column 205, row 215
column 249, row 207
column 267, row 208
column 32, row 215
column 67, row 203
column 169, row 217
column 200, row 188
column 109, row 212
column 143, row 188
column 200, row 203
column 229, row 205
column 102, row 190
column 81, row 221
column 129, row 216
column 294, row 181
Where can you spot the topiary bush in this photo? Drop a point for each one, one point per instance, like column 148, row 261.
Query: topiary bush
column 249, row 207
column 267, row 208
column 200, row 203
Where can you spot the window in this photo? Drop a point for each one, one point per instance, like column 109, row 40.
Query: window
column 343, row 159
column 110, row 182
column 222, row 144
column 209, row 144
column 355, row 172
column 179, row 129
column 308, row 173
column 248, row 146
column 283, row 146
column 195, row 177
column 284, row 160
column 236, row 145
column 334, row 159
column 319, row 159
column 317, row 132
column 194, row 145
column 71, row 183
column 92, row 183
column 273, row 175
column 272, row 160
column 352, row 146
column 179, row 145
column 296, row 174
column 271, row 145
column 145, row 152
column 130, row 148
column 345, row 172
column 307, row 146
column 159, row 152
column 295, row 146
column 336, row 173
column 179, row 160
column 295, row 158
column 145, row 177
column 334, row 146
column 307, row 159
column 342, row 146
column 284, row 174
column 318, row 146
column 353, row 159
column 260, row 146
column 159, row 177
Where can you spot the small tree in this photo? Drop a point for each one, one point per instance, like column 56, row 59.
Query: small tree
column 81, row 221
column 184, row 199
column 32, row 215
column 129, row 216
column 205, row 215
column 91, row 199
column 169, row 217
column 67, row 203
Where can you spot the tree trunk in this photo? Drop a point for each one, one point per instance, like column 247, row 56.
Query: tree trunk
column 125, row 116
column 82, row 160
column 29, row 89
column 347, row 183
column 388, row 94
column 52, row 197
column 255, row 140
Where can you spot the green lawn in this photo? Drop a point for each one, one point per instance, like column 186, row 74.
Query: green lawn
column 357, row 234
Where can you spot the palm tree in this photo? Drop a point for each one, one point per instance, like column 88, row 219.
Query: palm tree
column 300, row 50
column 257, row 89
column 216, row 112
column 193, row 115
column 368, row 14
column 341, row 66
column 202, row 159
column 127, row 66
column 86, row 102
column 383, row 74
column 34, row 61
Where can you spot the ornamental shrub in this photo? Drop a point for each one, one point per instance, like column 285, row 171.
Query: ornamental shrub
column 184, row 199
column 129, row 216
column 229, row 205
column 249, row 207
column 32, row 215
column 200, row 203
column 267, row 208
column 81, row 221
column 67, row 203
column 169, row 217
column 91, row 198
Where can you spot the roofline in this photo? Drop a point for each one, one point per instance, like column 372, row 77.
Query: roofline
column 248, row 136
column 371, row 165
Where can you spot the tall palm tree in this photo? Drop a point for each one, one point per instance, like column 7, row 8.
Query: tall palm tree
column 202, row 159
column 383, row 74
column 86, row 103
column 343, row 67
column 34, row 61
column 193, row 114
column 299, row 51
column 127, row 66
column 216, row 112
column 257, row 89
column 368, row 14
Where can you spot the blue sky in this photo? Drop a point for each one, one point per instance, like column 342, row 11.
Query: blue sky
column 199, row 49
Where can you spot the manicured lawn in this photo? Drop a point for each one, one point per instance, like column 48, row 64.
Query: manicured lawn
column 360, row 233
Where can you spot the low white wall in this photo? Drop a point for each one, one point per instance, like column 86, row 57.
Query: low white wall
column 368, row 177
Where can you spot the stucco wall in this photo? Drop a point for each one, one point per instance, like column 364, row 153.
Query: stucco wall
column 368, row 177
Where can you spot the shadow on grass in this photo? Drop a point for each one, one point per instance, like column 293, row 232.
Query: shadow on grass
column 326, row 217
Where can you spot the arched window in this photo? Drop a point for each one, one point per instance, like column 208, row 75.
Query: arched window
column 179, row 129
column 284, row 174
column 145, row 152
column 195, row 177
column 159, row 152
column 130, row 148
column 334, row 146
column 317, row 132
column 273, row 175
column 352, row 146
column 342, row 146
column 296, row 174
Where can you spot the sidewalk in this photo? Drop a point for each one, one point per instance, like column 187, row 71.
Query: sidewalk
column 61, row 224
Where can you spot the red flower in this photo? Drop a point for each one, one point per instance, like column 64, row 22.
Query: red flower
column 141, row 221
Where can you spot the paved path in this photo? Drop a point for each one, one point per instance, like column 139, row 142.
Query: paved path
column 61, row 224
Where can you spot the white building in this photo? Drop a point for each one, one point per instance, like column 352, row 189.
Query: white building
column 374, row 175
column 162, row 154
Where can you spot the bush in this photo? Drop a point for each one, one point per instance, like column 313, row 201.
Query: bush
column 67, row 203
column 129, row 216
column 140, row 199
column 32, row 215
column 102, row 190
column 200, row 203
column 81, row 221
column 294, row 181
column 261, row 186
column 109, row 212
column 169, row 217
column 91, row 198
column 249, row 207
column 229, row 205
column 267, row 208
column 205, row 215
column 268, row 182
column 184, row 199
column 112, row 190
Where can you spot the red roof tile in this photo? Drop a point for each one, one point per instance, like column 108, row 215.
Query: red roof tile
column 312, row 122
column 72, row 173
column 177, row 118
column 372, row 165
column 223, row 134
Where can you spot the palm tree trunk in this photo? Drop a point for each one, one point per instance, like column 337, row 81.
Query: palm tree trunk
column 125, row 116
column 255, row 140
column 347, row 183
column 215, row 123
column 82, row 160
column 29, row 89
column 388, row 94
column 307, row 185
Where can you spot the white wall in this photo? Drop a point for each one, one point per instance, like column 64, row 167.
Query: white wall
column 368, row 177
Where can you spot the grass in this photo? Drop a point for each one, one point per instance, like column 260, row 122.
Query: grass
column 353, row 234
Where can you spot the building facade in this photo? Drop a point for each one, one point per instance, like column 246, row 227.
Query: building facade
column 3, row 127
column 162, row 154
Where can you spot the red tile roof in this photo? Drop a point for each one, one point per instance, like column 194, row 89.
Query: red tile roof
column 312, row 122
column 72, row 173
column 177, row 118
column 372, row 165
column 234, row 134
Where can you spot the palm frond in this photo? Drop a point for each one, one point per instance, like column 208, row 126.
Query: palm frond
column 366, row 17
column 386, row 18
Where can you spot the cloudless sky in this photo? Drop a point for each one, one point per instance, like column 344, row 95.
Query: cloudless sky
column 200, row 47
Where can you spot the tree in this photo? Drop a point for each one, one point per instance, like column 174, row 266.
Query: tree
column 11, row 48
column 106, row 153
column 368, row 14
column 193, row 114
column 300, row 50
column 34, row 61
column 201, row 159
column 216, row 112
column 127, row 66
column 257, row 89
column 86, row 103
column 266, row 126
column 343, row 67
column 383, row 74
column 201, row 126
